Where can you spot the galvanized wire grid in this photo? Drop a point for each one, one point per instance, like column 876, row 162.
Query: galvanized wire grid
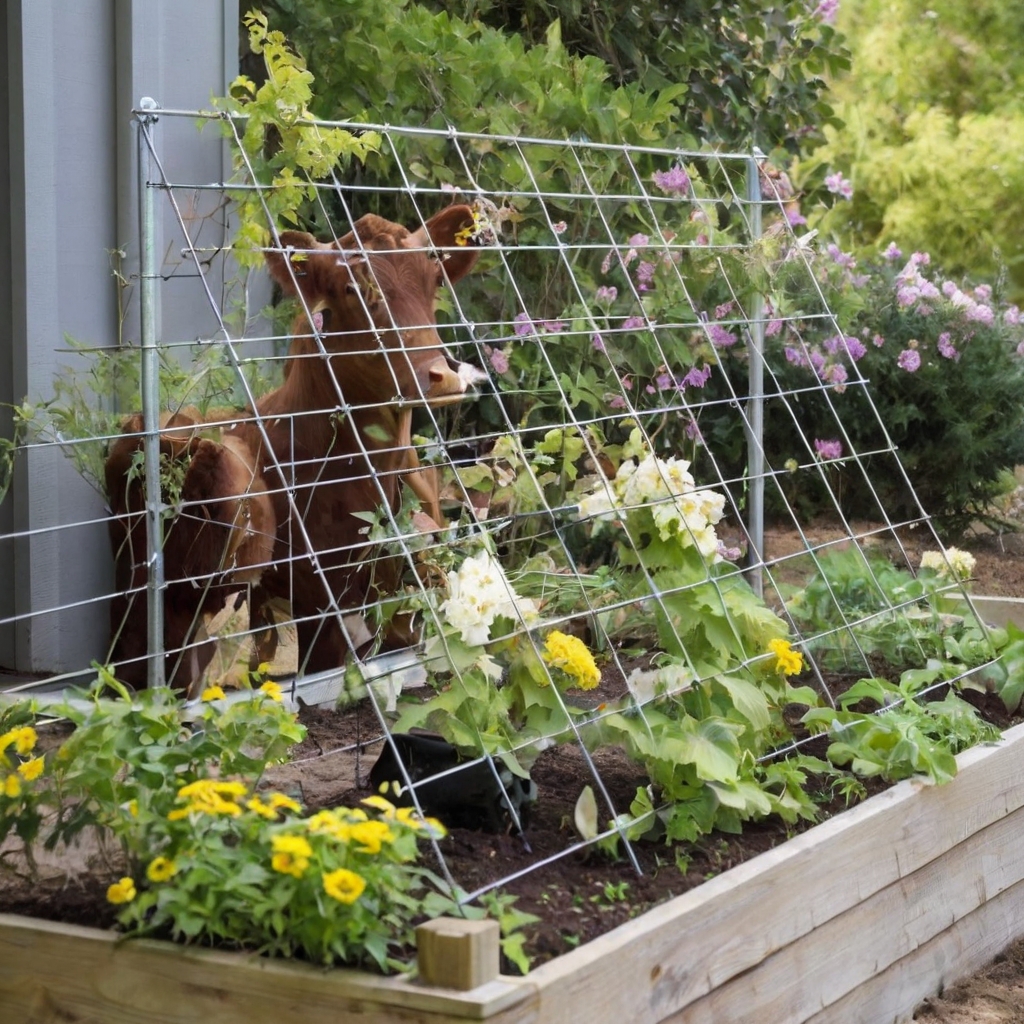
column 579, row 228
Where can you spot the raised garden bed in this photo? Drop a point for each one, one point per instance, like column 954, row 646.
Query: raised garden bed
column 858, row 919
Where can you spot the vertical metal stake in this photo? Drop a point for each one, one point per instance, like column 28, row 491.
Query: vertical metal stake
column 148, row 299
column 755, row 405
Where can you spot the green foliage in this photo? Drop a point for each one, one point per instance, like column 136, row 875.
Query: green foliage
column 211, row 855
column 745, row 75
column 908, row 737
column 274, row 144
column 932, row 120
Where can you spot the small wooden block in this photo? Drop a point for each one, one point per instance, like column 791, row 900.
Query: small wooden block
column 459, row 954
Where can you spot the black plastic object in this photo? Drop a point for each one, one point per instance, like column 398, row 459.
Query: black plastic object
column 468, row 797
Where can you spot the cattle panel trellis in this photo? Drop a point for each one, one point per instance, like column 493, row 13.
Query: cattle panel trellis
column 585, row 472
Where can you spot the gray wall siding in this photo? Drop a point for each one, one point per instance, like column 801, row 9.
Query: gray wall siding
column 74, row 71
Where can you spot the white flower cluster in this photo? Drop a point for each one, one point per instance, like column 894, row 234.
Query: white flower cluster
column 666, row 486
column 478, row 594
column 952, row 563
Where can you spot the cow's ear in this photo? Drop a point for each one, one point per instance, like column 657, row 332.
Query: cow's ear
column 453, row 230
column 293, row 265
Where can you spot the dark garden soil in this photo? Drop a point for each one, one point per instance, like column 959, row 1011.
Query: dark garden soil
column 578, row 895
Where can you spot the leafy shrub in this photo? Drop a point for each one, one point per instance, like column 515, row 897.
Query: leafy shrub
column 940, row 362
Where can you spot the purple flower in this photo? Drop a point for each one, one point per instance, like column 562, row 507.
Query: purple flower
column 795, row 217
column 835, row 374
column 983, row 292
column 720, row 337
column 1012, row 316
column 607, row 293
column 907, row 295
column 649, row 389
column 817, row 362
column 664, row 380
column 617, row 402
column 949, row 289
column 552, row 326
column 773, row 328
column 923, row 309
column 878, row 341
column 723, row 310
column 693, row 431
column 832, row 344
column 499, row 361
column 856, row 348
column 946, row 347
column 892, row 252
column 927, row 289
column 795, row 356
column 675, row 180
column 523, row 324
column 645, row 273
column 909, row 359
column 701, row 239
column 638, row 241
column 632, row 323
column 696, row 377
column 980, row 312
column 828, row 449
column 598, row 342
column 843, row 259
column 559, row 227
column 826, row 11
column 920, row 259
column 837, row 184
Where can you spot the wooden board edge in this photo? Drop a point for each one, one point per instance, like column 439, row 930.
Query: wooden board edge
column 237, row 972
column 962, row 949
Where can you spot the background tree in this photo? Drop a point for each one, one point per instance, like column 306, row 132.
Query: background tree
column 934, row 132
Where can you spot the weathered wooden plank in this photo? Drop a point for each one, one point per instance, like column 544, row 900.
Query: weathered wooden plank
column 793, row 984
column 59, row 973
column 677, row 953
column 891, row 996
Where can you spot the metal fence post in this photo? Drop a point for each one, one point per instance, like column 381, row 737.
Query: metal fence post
column 150, row 357
column 755, row 404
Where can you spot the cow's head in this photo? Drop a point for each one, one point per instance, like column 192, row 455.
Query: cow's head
column 370, row 298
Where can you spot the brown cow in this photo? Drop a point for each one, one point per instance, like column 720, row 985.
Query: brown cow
column 329, row 445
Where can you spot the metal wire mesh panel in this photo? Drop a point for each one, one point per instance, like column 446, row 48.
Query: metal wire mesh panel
column 496, row 459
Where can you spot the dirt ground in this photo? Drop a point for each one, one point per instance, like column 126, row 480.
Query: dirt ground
column 578, row 896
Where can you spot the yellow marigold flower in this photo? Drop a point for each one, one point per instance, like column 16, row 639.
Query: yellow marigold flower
column 263, row 668
column 121, row 892
column 133, row 808
column 262, row 809
column 272, row 690
column 411, row 817
column 12, row 786
column 206, row 796
column 160, row 869
column 31, row 769
column 281, row 802
column 787, row 661
column 378, row 803
column 343, row 885
column 213, row 693
column 372, row 835
column 291, row 855
column 208, row 789
column 329, row 823
column 23, row 739
column 570, row 654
